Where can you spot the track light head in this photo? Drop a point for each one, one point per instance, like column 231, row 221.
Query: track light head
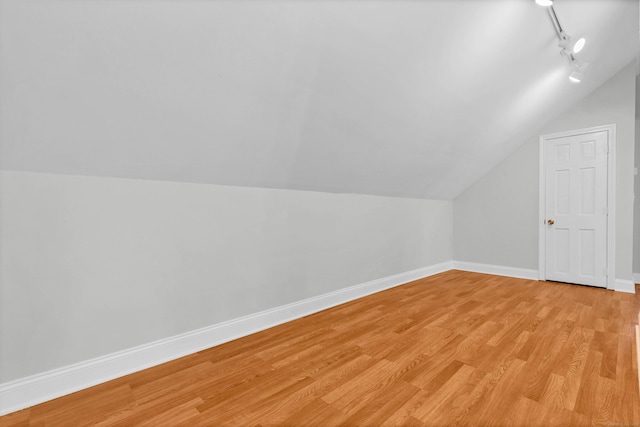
column 578, row 72
column 570, row 44
column 545, row 3
column 579, row 44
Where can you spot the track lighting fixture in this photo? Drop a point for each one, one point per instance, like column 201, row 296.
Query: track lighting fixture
column 569, row 46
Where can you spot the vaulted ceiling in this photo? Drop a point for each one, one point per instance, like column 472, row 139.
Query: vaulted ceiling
column 409, row 98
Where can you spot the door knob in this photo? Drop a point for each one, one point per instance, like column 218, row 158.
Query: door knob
column 550, row 221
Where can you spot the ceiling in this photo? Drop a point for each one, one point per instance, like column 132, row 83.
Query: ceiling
column 386, row 97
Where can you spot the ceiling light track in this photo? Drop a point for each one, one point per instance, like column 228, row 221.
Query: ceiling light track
column 569, row 46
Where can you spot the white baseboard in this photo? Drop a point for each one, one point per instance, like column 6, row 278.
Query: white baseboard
column 625, row 286
column 26, row 392
column 498, row 270
column 523, row 273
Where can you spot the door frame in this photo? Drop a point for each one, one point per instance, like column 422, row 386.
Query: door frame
column 611, row 198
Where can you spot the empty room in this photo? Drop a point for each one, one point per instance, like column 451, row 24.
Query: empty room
column 319, row 212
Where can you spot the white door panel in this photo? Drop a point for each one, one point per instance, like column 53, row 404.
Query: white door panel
column 576, row 209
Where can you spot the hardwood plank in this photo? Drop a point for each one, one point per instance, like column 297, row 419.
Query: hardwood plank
column 382, row 404
column 317, row 413
column 434, row 405
column 16, row 419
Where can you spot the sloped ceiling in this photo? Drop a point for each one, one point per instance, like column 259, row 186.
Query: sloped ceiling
column 387, row 97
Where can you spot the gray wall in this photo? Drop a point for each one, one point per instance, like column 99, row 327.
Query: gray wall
column 496, row 219
column 94, row 265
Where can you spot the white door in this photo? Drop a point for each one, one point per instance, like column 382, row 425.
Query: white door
column 576, row 209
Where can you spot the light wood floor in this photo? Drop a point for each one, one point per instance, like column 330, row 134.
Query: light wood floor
column 456, row 348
